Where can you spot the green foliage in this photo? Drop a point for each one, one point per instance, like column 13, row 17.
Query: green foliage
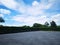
column 53, row 24
column 35, row 27
column 4, row 30
column 46, row 24
column 26, row 26
column 2, row 20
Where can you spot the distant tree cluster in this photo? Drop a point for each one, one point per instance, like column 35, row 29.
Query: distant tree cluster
column 52, row 25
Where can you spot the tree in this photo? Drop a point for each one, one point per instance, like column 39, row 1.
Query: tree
column 26, row 26
column 37, row 25
column 53, row 24
column 2, row 20
column 46, row 24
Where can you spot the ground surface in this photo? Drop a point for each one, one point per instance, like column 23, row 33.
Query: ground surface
column 31, row 38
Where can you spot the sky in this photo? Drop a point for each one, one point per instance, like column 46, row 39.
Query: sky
column 28, row 12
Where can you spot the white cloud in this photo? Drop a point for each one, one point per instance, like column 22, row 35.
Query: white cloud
column 4, row 11
column 0, row 3
column 9, row 3
column 35, row 3
column 36, row 7
column 30, row 20
column 31, row 14
column 1, row 15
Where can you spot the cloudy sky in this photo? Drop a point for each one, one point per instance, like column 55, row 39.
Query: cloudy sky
column 27, row 12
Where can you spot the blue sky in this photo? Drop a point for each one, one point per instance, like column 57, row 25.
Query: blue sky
column 28, row 12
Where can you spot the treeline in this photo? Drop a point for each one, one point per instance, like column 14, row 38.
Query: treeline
column 4, row 30
column 52, row 26
column 36, row 27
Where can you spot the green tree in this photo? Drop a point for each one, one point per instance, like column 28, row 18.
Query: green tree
column 2, row 20
column 46, row 24
column 37, row 25
column 53, row 24
column 26, row 26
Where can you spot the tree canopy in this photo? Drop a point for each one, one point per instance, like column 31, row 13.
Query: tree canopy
column 46, row 24
column 2, row 20
column 53, row 24
column 37, row 25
